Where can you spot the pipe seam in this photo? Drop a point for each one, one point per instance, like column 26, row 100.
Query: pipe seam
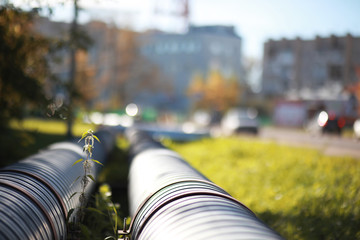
column 43, row 181
column 37, row 203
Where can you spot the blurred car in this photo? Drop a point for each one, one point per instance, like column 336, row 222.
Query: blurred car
column 326, row 122
column 357, row 128
column 240, row 121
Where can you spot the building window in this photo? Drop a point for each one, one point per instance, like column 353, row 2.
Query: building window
column 335, row 72
column 319, row 44
column 271, row 52
column 159, row 48
column 173, row 47
column 190, row 47
column 335, row 42
column 215, row 48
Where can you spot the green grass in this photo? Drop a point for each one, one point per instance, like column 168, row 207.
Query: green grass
column 299, row 192
column 29, row 136
column 25, row 138
column 53, row 126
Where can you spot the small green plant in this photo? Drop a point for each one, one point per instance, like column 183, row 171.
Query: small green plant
column 111, row 209
column 102, row 216
column 88, row 147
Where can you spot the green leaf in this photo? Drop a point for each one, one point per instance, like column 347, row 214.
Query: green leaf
column 96, row 211
column 96, row 161
column 91, row 177
column 96, row 138
column 116, row 223
column 85, row 231
column 72, row 195
column 81, row 138
column 84, row 135
column 69, row 214
column 114, row 209
column 75, row 180
column 77, row 161
column 109, row 237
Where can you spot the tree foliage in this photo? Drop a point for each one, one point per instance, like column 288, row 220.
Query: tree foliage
column 23, row 64
column 215, row 92
column 121, row 73
column 85, row 88
column 24, row 76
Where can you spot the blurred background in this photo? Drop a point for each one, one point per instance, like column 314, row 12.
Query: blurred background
column 192, row 61
column 284, row 71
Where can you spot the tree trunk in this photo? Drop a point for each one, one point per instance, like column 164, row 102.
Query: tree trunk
column 73, row 48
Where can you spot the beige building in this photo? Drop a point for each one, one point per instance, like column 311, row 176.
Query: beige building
column 319, row 68
column 152, row 69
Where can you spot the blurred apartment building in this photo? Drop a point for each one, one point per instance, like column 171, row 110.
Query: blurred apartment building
column 104, row 70
column 319, row 68
column 152, row 69
column 199, row 51
column 309, row 75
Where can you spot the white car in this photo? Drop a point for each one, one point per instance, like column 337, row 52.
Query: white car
column 240, row 121
column 357, row 128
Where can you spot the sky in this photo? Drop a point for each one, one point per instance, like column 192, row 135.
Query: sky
column 255, row 21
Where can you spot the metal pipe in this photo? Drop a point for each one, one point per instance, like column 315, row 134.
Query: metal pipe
column 171, row 200
column 35, row 192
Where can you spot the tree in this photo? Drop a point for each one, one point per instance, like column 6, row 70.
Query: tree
column 78, row 40
column 216, row 90
column 84, row 80
column 234, row 91
column 215, row 93
column 23, row 64
column 124, row 64
column 122, row 73
column 24, row 76
column 197, row 86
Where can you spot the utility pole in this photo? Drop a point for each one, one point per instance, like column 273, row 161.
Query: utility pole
column 73, row 67
column 182, row 12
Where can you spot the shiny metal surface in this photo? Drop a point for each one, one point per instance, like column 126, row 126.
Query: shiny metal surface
column 35, row 192
column 171, row 200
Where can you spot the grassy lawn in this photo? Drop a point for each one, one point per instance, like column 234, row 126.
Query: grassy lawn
column 29, row 136
column 54, row 126
column 299, row 192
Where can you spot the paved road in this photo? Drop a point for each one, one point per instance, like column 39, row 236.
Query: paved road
column 330, row 145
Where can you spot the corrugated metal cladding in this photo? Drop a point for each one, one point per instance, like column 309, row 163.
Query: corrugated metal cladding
column 171, row 200
column 35, row 192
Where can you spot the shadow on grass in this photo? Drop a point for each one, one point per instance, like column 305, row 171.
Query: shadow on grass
column 16, row 145
column 115, row 173
column 313, row 226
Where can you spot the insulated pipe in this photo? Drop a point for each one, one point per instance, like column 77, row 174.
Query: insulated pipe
column 171, row 200
column 35, row 192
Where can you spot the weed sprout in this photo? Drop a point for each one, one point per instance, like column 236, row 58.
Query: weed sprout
column 88, row 147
